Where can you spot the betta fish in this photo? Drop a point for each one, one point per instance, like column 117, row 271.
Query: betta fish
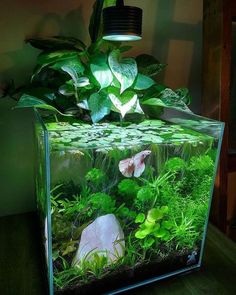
column 134, row 166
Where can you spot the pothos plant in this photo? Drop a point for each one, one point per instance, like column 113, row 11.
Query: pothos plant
column 95, row 81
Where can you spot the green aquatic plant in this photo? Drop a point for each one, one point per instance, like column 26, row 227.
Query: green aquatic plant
column 93, row 264
column 197, row 210
column 125, row 214
column 128, row 189
column 61, row 226
column 101, row 203
column 175, row 164
column 197, row 176
column 149, row 194
column 145, row 198
column 67, row 275
column 72, row 206
column 202, row 190
column 184, row 232
column 95, row 178
column 153, row 224
column 201, row 165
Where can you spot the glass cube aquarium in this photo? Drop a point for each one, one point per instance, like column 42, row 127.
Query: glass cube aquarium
column 124, row 204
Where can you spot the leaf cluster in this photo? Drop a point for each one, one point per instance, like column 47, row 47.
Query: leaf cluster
column 154, row 226
column 73, row 79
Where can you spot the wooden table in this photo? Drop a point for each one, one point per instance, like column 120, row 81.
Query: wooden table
column 21, row 266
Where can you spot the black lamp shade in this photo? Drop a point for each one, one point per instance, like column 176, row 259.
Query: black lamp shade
column 122, row 23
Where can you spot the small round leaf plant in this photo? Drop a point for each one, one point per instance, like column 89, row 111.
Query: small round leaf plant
column 95, row 82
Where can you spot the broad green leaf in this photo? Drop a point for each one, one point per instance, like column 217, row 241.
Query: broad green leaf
column 143, row 82
column 162, row 233
column 149, row 224
column 67, row 89
column 28, row 101
column 115, row 83
column 125, row 70
column 149, row 65
column 82, row 82
column 148, row 242
column 101, row 71
column 125, row 103
column 56, row 43
column 42, row 93
column 73, row 62
column 142, row 233
column 108, row 3
column 99, row 105
column 138, row 109
column 154, row 214
column 172, row 99
column 102, row 45
column 140, row 218
column 164, row 209
column 46, row 59
column 167, row 225
column 153, row 102
column 72, row 67
column 83, row 104
column 153, row 91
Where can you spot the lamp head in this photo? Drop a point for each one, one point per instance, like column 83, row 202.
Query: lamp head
column 122, row 23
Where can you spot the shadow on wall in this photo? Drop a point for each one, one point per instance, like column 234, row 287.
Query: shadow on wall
column 71, row 24
column 24, row 58
column 178, row 42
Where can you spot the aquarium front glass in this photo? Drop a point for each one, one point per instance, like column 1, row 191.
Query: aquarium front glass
column 126, row 203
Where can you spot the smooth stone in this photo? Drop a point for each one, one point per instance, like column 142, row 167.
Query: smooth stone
column 103, row 236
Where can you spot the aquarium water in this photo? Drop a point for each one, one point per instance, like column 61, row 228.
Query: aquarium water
column 124, row 204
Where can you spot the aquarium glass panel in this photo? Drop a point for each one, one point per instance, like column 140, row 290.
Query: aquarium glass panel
column 129, row 202
column 42, row 191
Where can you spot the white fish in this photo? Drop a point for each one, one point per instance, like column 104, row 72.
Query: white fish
column 134, row 166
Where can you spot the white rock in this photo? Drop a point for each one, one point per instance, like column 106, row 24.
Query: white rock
column 103, row 236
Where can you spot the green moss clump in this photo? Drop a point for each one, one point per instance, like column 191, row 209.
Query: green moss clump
column 145, row 198
column 128, row 187
column 201, row 165
column 102, row 203
column 61, row 227
column 175, row 164
column 96, row 177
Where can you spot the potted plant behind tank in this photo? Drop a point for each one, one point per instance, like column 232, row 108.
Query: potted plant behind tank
column 130, row 186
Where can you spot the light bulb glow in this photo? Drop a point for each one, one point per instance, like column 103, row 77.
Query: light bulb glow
column 122, row 37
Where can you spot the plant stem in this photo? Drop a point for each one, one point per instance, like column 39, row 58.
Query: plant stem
column 56, row 119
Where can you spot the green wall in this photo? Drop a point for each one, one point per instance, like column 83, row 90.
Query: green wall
column 16, row 158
